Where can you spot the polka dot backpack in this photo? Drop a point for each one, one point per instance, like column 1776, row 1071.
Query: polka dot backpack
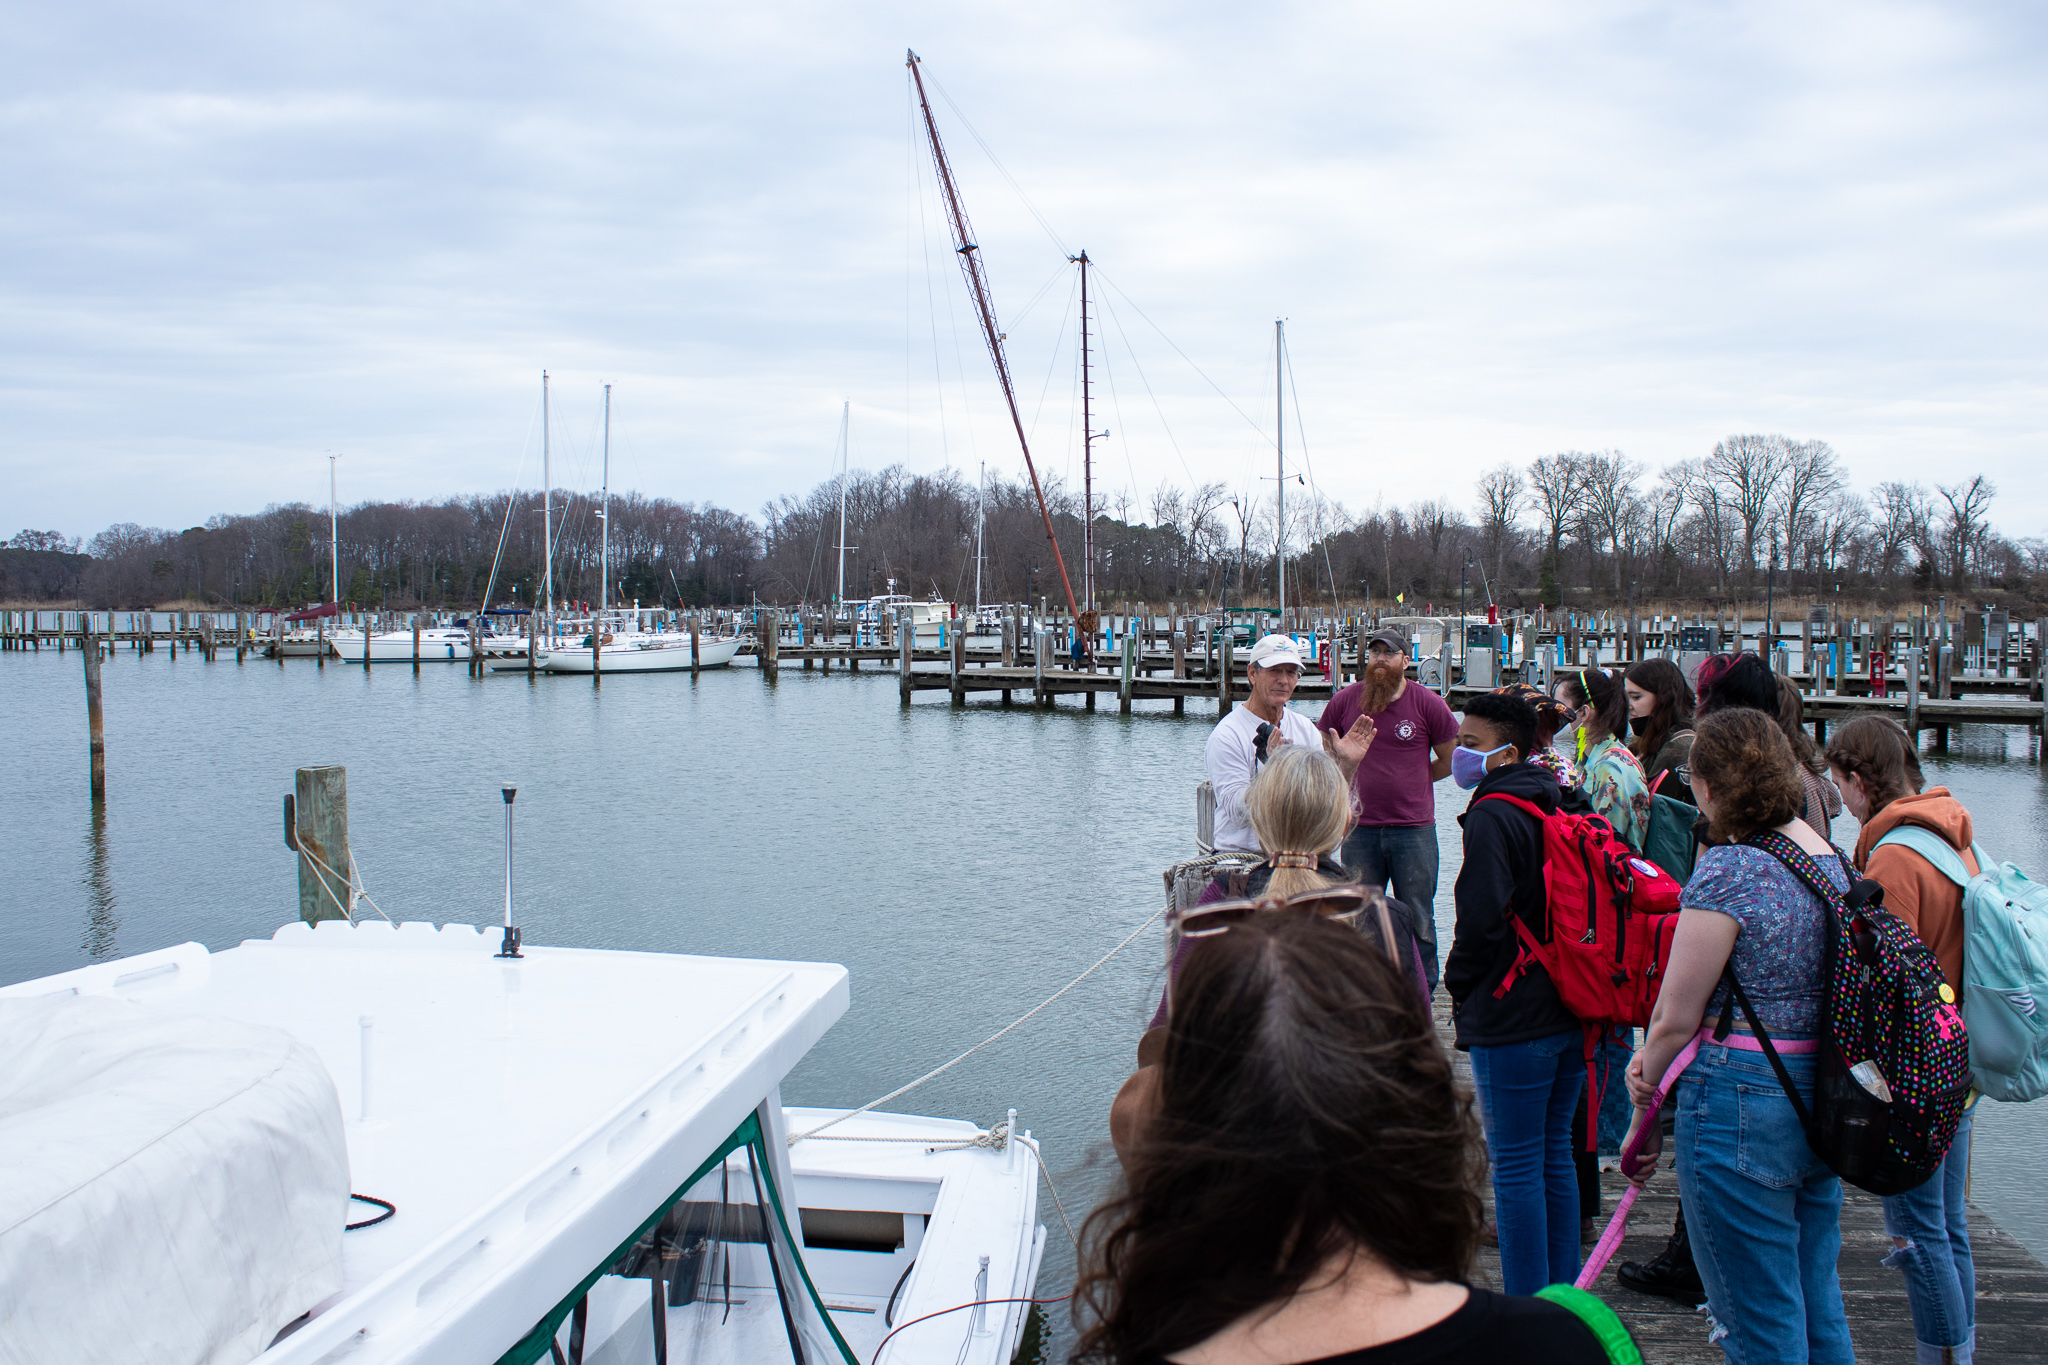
column 1894, row 1065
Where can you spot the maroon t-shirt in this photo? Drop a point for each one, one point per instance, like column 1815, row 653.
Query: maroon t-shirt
column 1393, row 786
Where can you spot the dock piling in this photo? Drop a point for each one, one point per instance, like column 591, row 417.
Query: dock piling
column 320, row 827
column 95, row 721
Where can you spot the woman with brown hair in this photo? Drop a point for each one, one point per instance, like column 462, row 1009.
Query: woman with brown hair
column 1608, row 773
column 1307, row 1188
column 1765, row 1211
column 1907, row 826
column 1823, row 798
column 1660, row 704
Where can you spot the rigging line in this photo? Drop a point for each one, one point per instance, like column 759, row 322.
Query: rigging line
column 1249, row 420
column 1057, row 271
column 1147, row 382
column 944, row 1067
column 1309, row 467
column 817, row 549
column 1116, row 402
column 525, row 449
column 1052, row 366
column 1005, row 170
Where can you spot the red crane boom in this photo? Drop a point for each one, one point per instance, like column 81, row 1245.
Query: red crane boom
column 977, row 284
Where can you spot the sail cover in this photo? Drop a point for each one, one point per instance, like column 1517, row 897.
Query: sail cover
column 176, row 1186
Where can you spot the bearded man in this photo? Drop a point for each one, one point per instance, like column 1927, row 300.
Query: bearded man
column 1393, row 795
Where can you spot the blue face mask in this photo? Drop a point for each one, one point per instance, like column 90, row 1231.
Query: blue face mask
column 1469, row 765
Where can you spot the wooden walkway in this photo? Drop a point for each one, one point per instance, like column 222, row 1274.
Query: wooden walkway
column 2012, row 1285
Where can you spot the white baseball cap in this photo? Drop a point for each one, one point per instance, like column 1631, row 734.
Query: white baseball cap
column 1272, row 651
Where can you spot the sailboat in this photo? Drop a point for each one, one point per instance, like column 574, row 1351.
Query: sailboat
column 305, row 643
column 616, row 643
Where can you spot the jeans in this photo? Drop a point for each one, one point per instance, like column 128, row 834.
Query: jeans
column 1405, row 855
column 1764, row 1212
column 1527, row 1092
column 1941, row 1279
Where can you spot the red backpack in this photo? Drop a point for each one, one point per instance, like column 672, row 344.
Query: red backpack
column 1612, row 915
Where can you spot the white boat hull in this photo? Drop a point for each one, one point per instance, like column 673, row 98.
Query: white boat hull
column 671, row 656
column 395, row 647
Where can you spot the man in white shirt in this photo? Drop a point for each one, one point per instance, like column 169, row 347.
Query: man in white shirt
column 1233, row 753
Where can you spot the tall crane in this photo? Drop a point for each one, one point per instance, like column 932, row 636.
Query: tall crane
column 977, row 284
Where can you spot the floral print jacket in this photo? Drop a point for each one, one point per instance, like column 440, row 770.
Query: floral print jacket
column 1613, row 781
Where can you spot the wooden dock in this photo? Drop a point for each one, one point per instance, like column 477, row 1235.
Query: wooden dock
column 2012, row 1284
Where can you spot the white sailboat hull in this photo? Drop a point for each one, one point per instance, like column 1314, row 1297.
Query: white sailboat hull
column 670, row 656
column 395, row 646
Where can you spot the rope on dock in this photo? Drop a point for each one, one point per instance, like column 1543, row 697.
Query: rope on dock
column 940, row 1070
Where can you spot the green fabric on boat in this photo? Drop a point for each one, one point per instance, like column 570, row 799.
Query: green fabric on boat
column 1606, row 1327
column 534, row 1344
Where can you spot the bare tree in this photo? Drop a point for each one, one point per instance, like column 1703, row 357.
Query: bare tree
column 1557, row 492
column 1500, row 498
column 1900, row 522
column 1965, row 528
column 1609, row 480
column 1811, row 476
column 1747, row 471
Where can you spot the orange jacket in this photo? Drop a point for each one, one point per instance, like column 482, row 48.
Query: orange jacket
column 1913, row 889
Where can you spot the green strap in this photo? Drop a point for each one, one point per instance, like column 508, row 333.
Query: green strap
column 1600, row 1320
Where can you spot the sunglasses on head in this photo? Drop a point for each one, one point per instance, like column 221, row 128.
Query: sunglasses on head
column 1341, row 903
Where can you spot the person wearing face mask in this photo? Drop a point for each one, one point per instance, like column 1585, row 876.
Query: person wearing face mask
column 1609, row 774
column 1527, row 1060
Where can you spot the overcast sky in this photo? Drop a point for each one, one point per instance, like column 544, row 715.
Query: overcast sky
column 237, row 237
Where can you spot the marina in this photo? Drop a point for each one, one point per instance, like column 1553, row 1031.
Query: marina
column 1020, row 912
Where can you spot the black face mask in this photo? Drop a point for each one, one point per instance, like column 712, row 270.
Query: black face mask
column 1640, row 725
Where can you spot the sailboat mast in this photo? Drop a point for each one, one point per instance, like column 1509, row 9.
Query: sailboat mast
column 547, row 502
column 1087, row 454
column 969, row 252
column 1280, row 455
column 980, row 505
column 845, row 450
column 333, row 535
column 604, row 513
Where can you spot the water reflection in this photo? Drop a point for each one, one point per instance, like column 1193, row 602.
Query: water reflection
column 101, row 923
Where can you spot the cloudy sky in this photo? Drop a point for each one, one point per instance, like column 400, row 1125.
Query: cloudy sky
column 236, row 238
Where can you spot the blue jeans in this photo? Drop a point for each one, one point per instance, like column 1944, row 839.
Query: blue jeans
column 1941, row 1279
column 1764, row 1212
column 1527, row 1092
column 1405, row 855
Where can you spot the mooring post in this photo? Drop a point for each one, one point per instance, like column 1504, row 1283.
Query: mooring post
column 1912, row 670
column 1038, row 650
column 768, row 630
column 959, row 666
column 903, row 661
column 1223, row 679
column 1130, row 673
column 320, row 830
column 532, row 645
column 95, row 724
column 693, row 646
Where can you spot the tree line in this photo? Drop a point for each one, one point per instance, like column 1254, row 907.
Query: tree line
column 1576, row 527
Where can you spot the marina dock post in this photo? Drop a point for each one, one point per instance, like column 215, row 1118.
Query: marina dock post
column 693, row 647
column 95, row 721
column 532, row 644
column 1130, row 673
column 1912, row 662
column 1223, row 677
column 320, row 829
column 415, row 644
column 1039, row 645
column 768, row 634
column 959, row 663
column 903, row 641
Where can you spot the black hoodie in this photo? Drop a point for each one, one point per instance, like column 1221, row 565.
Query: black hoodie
column 1503, row 869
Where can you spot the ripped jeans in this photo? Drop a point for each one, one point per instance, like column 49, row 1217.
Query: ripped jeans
column 1941, row 1279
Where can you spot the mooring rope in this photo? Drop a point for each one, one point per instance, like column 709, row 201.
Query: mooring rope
column 354, row 884
column 941, row 1069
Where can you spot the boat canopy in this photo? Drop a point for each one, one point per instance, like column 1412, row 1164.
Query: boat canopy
column 314, row 613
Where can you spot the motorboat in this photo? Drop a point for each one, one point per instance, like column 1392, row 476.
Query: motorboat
column 564, row 1154
column 932, row 624
column 437, row 644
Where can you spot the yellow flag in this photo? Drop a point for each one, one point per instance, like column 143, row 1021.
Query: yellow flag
column 1402, row 598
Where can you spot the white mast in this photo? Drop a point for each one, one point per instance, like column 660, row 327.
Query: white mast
column 334, row 537
column 604, row 513
column 1279, row 454
column 980, row 501
column 845, row 450
column 547, row 502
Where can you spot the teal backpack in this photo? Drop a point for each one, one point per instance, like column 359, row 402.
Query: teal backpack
column 2005, row 966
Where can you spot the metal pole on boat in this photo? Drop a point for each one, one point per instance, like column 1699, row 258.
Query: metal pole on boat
column 510, row 947
column 365, row 1023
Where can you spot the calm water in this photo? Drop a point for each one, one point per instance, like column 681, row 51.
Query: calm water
column 963, row 864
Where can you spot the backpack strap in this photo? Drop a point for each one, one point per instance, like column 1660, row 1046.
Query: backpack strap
column 1932, row 847
column 1528, row 950
column 1605, row 1325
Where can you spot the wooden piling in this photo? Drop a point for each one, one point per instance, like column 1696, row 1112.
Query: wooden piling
column 959, row 667
column 532, row 645
column 768, row 635
column 1130, row 673
column 95, row 722
column 693, row 646
column 320, row 828
column 903, row 639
